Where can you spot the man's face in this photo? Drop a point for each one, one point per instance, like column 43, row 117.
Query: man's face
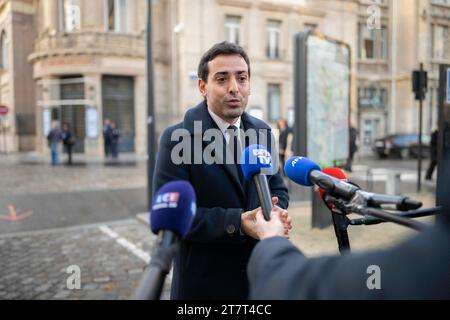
column 228, row 86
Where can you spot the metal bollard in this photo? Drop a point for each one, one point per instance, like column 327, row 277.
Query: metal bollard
column 393, row 183
column 369, row 180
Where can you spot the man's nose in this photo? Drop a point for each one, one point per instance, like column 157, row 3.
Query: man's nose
column 233, row 86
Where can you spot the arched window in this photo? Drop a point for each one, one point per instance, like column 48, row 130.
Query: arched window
column 4, row 58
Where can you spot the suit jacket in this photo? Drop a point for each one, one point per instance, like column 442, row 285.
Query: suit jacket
column 419, row 268
column 213, row 257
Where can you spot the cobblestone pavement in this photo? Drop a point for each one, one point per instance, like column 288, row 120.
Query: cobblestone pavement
column 34, row 265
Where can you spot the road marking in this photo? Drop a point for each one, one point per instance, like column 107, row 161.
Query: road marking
column 131, row 247
column 13, row 216
column 379, row 176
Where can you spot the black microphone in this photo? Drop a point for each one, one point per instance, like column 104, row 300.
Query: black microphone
column 256, row 162
column 306, row 173
column 171, row 216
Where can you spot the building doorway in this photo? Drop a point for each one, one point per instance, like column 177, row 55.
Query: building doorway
column 118, row 106
column 71, row 92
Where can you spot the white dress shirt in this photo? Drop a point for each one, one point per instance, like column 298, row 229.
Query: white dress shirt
column 223, row 126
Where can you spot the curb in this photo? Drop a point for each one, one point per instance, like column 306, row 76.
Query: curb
column 143, row 218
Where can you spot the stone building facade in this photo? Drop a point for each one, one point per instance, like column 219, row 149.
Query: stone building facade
column 81, row 62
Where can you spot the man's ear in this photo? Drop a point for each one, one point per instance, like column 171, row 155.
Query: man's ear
column 202, row 87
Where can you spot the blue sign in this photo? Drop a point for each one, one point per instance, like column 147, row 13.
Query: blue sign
column 448, row 86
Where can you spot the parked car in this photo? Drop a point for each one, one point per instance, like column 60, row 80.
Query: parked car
column 414, row 147
column 401, row 146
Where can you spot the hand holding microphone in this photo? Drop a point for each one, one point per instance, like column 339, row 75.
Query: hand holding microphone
column 256, row 164
column 274, row 227
column 251, row 222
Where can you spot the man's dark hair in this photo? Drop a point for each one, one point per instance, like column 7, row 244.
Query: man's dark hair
column 225, row 48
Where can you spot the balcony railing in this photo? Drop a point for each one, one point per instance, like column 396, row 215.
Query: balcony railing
column 90, row 43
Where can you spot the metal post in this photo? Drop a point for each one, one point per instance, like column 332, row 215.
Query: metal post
column 393, row 183
column 419, row 157
column 151, row 143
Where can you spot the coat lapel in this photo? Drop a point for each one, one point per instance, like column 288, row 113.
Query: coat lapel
column 200, row 113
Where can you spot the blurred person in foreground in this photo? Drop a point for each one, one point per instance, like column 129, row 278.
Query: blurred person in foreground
column 418, row 268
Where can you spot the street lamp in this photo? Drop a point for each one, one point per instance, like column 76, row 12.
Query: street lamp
column 151, row 141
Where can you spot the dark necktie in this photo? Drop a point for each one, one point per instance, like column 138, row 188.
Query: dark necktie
column 235, row 147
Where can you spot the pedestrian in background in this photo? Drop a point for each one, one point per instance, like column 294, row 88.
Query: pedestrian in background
column 433, row 155
column 352, row 148
column 114, row 140
column 107, row 137
column 68, row 141
column 284, row 140
column 54, row 137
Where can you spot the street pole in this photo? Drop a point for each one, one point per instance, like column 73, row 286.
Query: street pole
column 419, row 156
column 151, row 143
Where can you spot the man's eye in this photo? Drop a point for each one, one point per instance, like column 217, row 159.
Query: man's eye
column 221, row 79
column 243, row 79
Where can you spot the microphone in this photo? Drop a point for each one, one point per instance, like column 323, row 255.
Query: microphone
column 171, row 217
column 306, row 173
column 256, row 163
column 334, row 172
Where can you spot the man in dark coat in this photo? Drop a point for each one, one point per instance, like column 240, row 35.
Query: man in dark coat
column 213, row 257
column 433, row 155
column 418, row 268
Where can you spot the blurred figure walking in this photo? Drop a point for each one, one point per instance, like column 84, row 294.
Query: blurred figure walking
column 284, row 140
column 115, row 135
column 107, row 137
column 433, row 155
column 352, row 148
column 54, row 137
column 68, row 141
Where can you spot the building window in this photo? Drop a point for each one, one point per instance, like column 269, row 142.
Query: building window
column 440, row 48
column 233, row 29
column 372, row 98
column 4, row 59
column 273, row 39
column 274, row 101
column 70, row 15
column 116, row 16
column 372, row 44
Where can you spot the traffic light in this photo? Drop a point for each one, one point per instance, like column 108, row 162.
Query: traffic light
column 419, row 84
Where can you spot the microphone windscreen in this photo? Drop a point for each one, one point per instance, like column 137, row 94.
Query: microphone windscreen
column 298, row 168
column 173, row 208
column 256, row 159
column 334, row 172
